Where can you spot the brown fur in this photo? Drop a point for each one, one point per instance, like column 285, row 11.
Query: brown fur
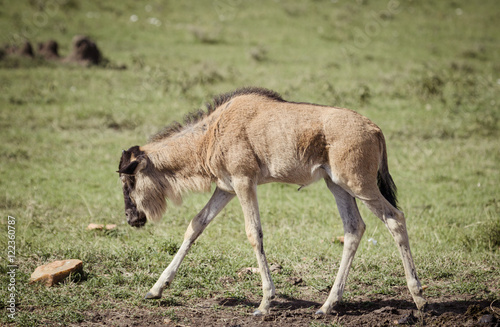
column 252, row 136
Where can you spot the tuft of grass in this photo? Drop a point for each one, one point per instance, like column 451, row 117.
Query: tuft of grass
column 485, row 236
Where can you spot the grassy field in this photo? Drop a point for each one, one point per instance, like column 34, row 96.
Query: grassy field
column 428, row 73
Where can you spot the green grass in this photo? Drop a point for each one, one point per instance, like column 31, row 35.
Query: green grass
column 427, row 73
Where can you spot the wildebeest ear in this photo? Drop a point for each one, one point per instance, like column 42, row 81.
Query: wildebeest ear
column 133, row 167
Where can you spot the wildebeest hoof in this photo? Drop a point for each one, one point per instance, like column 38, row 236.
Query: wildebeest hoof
column 421, row 304
column 150, row 296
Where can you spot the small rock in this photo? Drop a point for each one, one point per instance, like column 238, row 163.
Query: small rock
column 93, row 226
column 56, row 271
column 339, row 239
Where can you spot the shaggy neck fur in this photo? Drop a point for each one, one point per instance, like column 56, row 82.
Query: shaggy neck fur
column 175, row 166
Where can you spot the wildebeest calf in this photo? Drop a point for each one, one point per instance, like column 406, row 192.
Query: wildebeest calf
column 250, row 137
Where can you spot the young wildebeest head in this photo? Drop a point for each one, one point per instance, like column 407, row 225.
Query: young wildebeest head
column 144, row 189
column 131, row 162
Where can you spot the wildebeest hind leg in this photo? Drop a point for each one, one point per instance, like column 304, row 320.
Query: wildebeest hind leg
column 396, row 223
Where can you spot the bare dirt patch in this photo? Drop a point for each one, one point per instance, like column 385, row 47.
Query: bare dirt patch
column 377, row 311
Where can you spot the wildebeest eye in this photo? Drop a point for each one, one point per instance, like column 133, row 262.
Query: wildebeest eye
column 130, row 182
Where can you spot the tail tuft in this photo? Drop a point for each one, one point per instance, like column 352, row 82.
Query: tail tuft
column 387, row 187
column 385, row 182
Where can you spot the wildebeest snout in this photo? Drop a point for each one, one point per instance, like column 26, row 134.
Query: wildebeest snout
column 135, row 218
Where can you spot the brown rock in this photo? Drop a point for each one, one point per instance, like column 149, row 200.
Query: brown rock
column 56, row 271
column 93, row 226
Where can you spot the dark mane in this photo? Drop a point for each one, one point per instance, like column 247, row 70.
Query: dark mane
column 219, row 100
column 226, row 97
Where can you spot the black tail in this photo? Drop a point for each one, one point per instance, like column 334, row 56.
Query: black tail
column 385, row 182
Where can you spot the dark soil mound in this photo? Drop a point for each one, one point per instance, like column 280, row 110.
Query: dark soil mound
column 49, row 50
column 84, row 51
column 26, row 50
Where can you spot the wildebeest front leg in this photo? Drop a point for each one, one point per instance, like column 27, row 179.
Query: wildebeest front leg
column 198, row 224
column 246, row 190
column 354, row 228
